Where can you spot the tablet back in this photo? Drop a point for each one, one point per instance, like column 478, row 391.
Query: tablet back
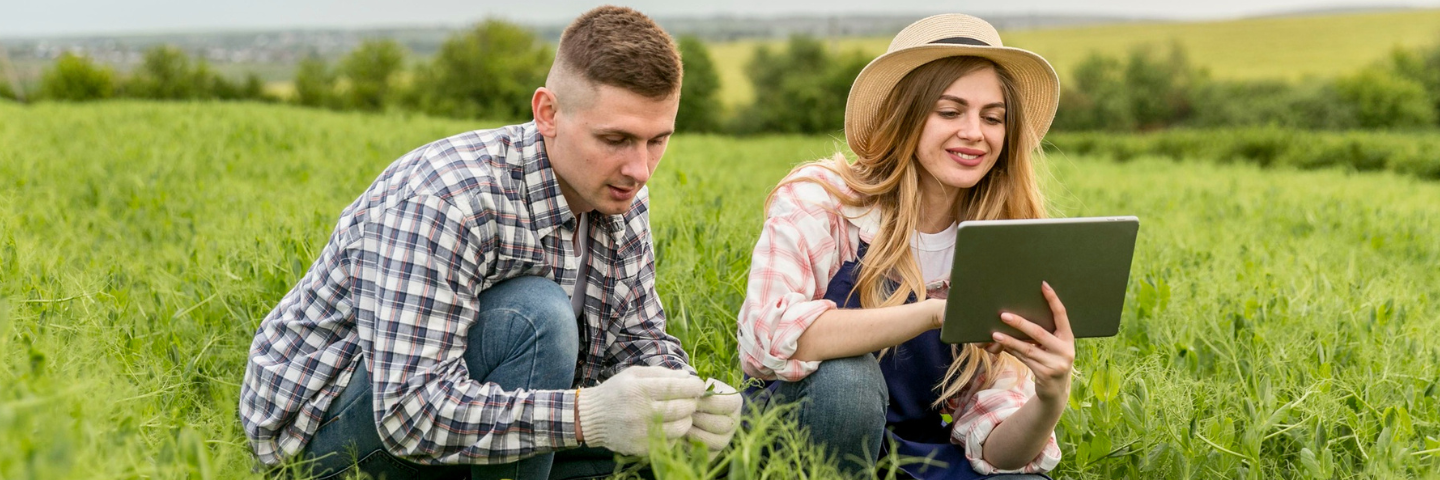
column 999, row 265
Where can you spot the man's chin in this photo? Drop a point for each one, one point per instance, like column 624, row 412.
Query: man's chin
column 614, row 208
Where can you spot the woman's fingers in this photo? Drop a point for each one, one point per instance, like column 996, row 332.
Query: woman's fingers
column 1019, row 348
column 1057, row 309
column 1032, row 353
column 1037, row 333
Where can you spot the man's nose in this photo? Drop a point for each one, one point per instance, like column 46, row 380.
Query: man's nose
column 637, row 164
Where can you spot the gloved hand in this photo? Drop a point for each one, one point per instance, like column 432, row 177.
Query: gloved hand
column 616, row 414
column 716, row 416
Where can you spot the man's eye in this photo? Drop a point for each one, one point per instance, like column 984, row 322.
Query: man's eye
column 615, row 142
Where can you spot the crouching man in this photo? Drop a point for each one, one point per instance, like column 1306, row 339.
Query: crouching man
column 487, row 307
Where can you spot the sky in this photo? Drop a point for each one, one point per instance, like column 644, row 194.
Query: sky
column 32, row 18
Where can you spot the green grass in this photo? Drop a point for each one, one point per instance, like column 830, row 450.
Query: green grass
column 1279, row 322
column 1289, row 48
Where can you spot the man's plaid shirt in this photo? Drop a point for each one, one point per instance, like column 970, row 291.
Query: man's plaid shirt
column 396, row 287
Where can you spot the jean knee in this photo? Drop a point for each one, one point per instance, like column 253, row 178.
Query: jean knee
column 542, row 304
column 850, row 388
column 855, row 381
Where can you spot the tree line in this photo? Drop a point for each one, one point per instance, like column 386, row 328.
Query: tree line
column 1151, row 90
column 490, row 71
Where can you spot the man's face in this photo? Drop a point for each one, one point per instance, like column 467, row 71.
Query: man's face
column 605, row 147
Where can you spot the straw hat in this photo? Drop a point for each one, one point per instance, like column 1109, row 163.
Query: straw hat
column 941, row 36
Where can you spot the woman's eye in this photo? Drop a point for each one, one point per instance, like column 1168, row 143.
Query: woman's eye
column 995, row 120
column 949, row 114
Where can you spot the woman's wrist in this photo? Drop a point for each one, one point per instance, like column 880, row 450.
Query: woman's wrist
column 1053, row 400
column 933, row 310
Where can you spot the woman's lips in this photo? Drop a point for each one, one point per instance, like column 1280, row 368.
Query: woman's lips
column 966, row 156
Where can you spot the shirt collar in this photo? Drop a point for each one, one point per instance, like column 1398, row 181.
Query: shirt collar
column 865, row 219
column 542, row 190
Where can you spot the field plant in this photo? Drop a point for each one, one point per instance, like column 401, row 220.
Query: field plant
column 1279, row 322
column 1407, row 153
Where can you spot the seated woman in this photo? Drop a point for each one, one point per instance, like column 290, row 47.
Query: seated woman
column 849, row 278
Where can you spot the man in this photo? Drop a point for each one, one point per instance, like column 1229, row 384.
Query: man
column 480, row 279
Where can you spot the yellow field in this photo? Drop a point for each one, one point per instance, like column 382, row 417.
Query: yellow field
column 1288, row 48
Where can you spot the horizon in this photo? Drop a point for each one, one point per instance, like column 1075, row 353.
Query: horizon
column 431, row 14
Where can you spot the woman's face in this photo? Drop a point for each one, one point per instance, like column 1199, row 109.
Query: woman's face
column 965, row 131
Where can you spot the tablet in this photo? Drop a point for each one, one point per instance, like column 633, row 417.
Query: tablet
column 999, row 265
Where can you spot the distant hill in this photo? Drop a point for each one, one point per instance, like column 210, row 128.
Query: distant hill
column 273, row 53
column 730, row 28
column 1335, row 10
column 1288, row 47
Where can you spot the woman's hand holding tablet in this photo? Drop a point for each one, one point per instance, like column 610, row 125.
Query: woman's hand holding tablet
column 1051, row 356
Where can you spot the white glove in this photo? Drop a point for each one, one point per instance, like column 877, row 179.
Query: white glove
column 716, row 416
column 616, row 414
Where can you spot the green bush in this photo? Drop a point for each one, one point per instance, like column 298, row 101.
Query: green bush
column 77, row 78
column 1416, row 154
column 699, row 106
column 1422, row 162
column 1317, row 105
column 369, row 70
column 1422, row 66
column 1144, row 92
column 1219, row 104
column 1384, row 99
column 165, row 74
column 1096, row 99
column 254, row 88
column 314, row 83
column 801, row 89
column 489, row 71
column 1159, row 90
column 6, row 92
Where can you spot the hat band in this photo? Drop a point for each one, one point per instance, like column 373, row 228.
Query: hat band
column 961, row 41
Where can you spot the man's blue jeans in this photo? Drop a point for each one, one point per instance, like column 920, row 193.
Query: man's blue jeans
column 526, row 337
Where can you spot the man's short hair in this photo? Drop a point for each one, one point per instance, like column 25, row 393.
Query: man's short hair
column 623, row 48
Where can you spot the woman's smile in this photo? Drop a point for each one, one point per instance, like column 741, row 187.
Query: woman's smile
column 968, row 157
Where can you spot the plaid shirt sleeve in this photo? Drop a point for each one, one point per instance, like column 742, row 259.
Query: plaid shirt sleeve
column 417, row 279
column 801, row 246
column 977, row 415
column 641, row 338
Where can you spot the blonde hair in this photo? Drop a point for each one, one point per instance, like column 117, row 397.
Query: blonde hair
column 885, row 176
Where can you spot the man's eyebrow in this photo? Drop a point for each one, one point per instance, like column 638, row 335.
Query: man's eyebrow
column 628, row 135
column 962, row 101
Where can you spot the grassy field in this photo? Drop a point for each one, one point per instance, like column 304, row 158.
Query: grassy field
column 1282, row 47
column 1279, row 323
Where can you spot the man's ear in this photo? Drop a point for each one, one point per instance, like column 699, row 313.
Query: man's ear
column 544, row 105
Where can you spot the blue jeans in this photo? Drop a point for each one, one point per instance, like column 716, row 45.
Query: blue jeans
column 526, row 337
column 843, row 405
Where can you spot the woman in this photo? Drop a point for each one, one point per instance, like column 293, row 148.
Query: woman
column 945, row 126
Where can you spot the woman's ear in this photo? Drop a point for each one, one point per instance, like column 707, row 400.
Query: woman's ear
column 545, row 107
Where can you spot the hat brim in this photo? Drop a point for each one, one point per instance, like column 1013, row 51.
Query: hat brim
column 1035, row 82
